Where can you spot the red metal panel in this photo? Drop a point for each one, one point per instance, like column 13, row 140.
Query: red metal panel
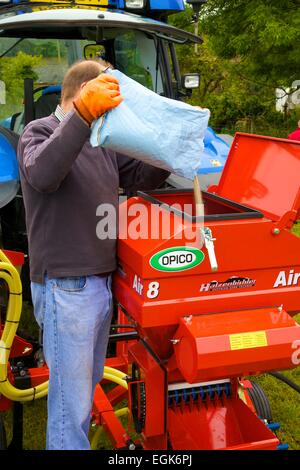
column 117, row 362
column 105, row 415
column 15, row 257
column 225, row 424
column 205, row 348
column 38, row 375
column 20, row 347
column 117, row 394
column 156, row 395
column 263, row 172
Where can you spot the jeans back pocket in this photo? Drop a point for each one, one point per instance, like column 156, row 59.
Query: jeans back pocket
column 71, row 284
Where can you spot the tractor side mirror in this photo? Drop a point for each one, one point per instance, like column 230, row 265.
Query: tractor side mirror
column 93, row 51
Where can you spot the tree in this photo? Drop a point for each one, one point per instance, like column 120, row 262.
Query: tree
column 211, row 68
column 232, row 83
column 13, row 71
column 222, row 89
column 262, row 35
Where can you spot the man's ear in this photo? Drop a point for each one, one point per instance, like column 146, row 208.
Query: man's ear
column 82, row 85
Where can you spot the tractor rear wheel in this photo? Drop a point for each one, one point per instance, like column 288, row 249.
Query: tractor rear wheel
column 260, row 401
column 3, row 442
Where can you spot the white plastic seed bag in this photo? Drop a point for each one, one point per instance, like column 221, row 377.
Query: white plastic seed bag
column 160, row 131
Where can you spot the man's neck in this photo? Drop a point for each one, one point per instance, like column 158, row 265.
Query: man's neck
column 67, row 106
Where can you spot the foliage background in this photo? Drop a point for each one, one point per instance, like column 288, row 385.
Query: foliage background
column 249, row 50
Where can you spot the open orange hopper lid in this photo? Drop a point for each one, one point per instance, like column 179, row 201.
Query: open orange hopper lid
column 263, row 173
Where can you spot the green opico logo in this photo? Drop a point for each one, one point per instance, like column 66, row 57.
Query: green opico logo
column 177, row 258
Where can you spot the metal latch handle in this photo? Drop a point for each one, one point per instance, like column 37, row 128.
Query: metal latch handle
column 206, row 231
column 209, row 245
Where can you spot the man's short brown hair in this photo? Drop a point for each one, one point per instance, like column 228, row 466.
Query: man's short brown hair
column 80, row 72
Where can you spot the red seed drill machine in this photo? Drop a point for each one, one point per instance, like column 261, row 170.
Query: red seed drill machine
column 208, row 317
column 193, row 321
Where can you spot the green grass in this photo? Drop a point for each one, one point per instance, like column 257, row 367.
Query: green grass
column 35, row 418
column 285, row 402
column 296, row 228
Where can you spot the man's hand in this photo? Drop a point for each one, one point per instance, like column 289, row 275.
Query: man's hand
column 98, row 96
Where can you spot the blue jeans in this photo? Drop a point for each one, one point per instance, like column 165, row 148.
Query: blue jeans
column 75, row 315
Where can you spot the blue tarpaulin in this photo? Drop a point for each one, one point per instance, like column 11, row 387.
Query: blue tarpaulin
column 215, row 153
column 9, row 173
column 9, row 165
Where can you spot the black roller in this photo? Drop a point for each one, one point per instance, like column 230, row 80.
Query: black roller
column 260, row 401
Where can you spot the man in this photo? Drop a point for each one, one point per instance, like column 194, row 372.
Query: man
column 64, row 180
column 296, row 134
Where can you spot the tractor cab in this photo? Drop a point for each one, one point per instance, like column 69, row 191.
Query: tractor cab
column 40, row 40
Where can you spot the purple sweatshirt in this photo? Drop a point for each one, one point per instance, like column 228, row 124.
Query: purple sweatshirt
column 63, row 181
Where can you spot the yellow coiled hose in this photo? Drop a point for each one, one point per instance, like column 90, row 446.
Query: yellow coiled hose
column 11, row 276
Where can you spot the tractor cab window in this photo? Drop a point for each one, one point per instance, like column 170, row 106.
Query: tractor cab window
column 136, row 56
column 45, row 61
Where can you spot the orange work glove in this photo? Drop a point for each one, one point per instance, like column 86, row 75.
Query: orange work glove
column 98, row 96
